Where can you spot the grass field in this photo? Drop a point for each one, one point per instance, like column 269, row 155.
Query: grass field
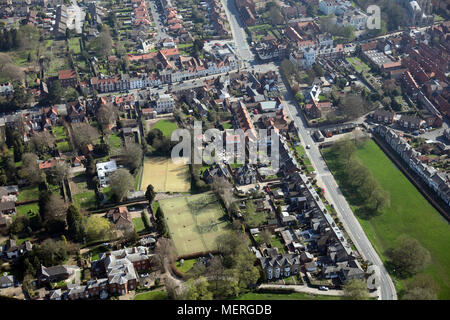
column 166, row 127
column 285, row 296
column 194, row 222
column 409, row 213
column 165, row 176
column 151, row 295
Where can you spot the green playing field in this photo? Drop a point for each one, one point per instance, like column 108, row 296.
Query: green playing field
column 195, row 222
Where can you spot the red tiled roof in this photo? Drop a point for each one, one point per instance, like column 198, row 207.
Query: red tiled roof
column 66, row 74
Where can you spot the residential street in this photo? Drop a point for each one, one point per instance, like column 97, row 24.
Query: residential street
column 302, row 288
column 333, row 193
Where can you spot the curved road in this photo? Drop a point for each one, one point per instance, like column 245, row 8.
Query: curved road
column 334, row 194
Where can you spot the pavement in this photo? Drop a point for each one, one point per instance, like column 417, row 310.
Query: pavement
column 332, row 190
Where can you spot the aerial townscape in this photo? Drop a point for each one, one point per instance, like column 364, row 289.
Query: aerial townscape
column 353, row 104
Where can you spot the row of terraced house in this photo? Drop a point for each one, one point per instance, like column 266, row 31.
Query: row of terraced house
column 436, row 180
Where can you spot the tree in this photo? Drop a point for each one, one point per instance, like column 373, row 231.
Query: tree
column 409, row 257
column 83, row 134
column 164, row 253
column 75, row 223
column 171, row 288
column 380, row 199
column 216, row 270
column 150, row 194
column 352, row 106
column 346, row 149
column 121, row 182
column 43, row 141
column 266, row 236
column 355, row 290
column 106, row 115
column 131, row 236
column 197, row 289
column 58, row 173
column 55, row 92
column 102, row 44
column 311, row 10
column 160, row 222
column 132, row 155
column 287, row 68
column 299, row 97
column 99, row 228
column 54, row 214
column 30, row 169
column 275, row 15
column 421, row 287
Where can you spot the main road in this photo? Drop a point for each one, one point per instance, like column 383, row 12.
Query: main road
column 333, row 193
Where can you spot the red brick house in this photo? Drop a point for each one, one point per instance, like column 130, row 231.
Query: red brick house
column 67, row 78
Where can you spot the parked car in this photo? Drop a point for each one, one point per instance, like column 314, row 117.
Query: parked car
column 323, row 288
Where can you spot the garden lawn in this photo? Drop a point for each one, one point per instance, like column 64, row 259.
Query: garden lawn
column 166, row 127
column 24, row 209
column 59, row 132
column 115, row 141
column 138, row 224
column 63, row 146
column 28, row 193
column 188, row 264
column 151, row 295
column 409, row 214
column 276, row 243
column 85, row 200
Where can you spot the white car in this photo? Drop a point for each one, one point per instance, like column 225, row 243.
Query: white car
column 323, row 288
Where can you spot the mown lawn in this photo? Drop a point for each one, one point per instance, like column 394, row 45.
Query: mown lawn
column 166, row 127
column 284, row 296
column 28, row 193
column 188, row 264
column 152, row 295
column 115, row 141
column 63, row 146
column 24, row 209
column 409, row 214
column 85, row 200
column 138, row 224
column 59, row 132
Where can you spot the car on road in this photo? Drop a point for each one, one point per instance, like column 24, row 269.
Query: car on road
column 308, row 146
column 323, row 288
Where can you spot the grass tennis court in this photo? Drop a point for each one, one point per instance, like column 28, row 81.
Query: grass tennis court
column 165, row 175
column 195, row 222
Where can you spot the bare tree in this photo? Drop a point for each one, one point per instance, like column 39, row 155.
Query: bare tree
column 216, row 270
column 121, row 182
column 43, row 141
column 106, row 115
column 266, row 236
column 132, row 155
column 83, row 134
column 164, row 253
column 223, row 189
column 30, row 169
column 58, row 172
